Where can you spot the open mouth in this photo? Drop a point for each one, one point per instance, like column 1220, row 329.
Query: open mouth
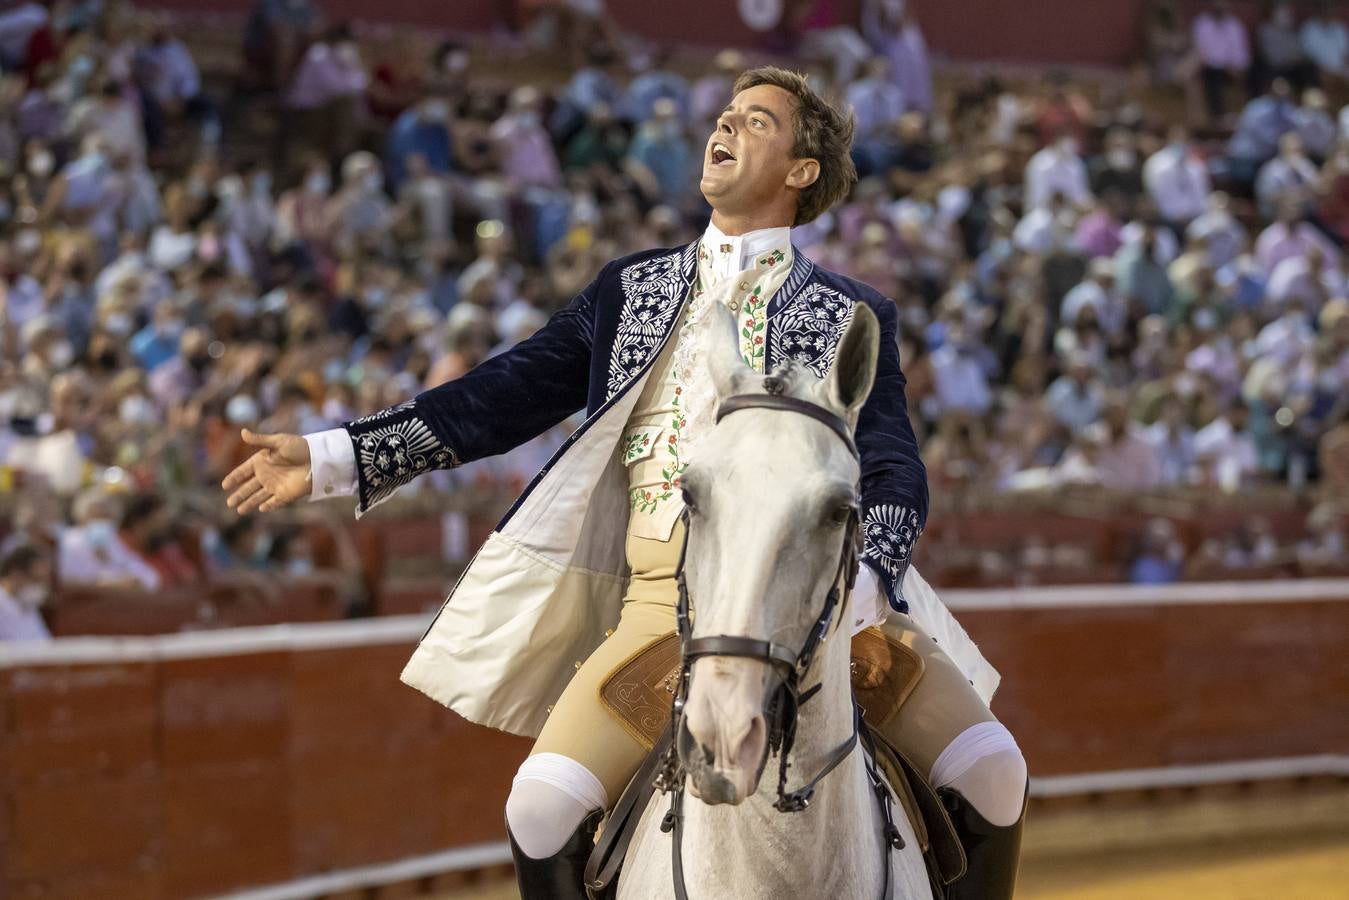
column 721, row 154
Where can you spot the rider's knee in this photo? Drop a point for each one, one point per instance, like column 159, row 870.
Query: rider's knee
column 550, row 797
column 986, row 766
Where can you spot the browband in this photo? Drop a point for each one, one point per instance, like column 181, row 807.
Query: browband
column 789, row 404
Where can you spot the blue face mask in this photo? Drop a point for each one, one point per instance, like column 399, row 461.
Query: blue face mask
column 101, row 533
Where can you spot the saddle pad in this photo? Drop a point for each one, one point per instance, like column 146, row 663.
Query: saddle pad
column 641, row 690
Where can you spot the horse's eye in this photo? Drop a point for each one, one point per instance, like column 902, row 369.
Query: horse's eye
column 841, row 514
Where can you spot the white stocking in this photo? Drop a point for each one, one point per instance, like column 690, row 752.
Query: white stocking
column 550, row 797
column 985, row 765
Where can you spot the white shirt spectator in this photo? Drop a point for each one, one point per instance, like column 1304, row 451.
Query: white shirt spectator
column 1109, row 308
column 1225, row 236
column 961, row 380
column 1220, row 41
column 1282, row 240
column 20, row 621
column 1285, row 340
column 1227, row 455
column 93, row 554
column 1177, row 183
column 1175, row 452
column 1057, row 169
column 1165, row 247
column 1326, row 44
column 1075, row 405
column 1040, row 231
column 1284, row 177
column 1293, row 279
column 55, row 458
column 23, row 299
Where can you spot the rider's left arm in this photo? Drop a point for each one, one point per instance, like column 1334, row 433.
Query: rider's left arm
column 894, row 480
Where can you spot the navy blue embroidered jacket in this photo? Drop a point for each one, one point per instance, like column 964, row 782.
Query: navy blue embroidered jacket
column 592, row 351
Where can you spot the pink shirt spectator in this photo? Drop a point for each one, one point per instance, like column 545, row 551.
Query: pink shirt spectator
column 1098, row 234
column 326, row 74
column 527, row 157
column 1221, row 41
column 1281, row 241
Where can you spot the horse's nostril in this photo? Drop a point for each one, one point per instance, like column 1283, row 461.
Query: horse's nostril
column 708, row 755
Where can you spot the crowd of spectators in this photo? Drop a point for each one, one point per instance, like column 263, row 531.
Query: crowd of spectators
column 1089, row 292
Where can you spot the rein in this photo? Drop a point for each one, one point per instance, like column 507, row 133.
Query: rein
column 791, row 666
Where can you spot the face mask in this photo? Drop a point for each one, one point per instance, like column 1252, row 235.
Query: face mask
column 372, row 182
column 33, row 596
column 137, row 410
column 171, row 330
column 318, row 183
column 241, row 410
column 262, row 547
column 101, row 533
column 300, row 567
column 62, row 355
column 118, row 324
column 40, row 164
column 435, row 111
column 1067, row 145
column 1120, row 159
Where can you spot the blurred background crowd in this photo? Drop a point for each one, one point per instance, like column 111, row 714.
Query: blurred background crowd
column 1117, row 291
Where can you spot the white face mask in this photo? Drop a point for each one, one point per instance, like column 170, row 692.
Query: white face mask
column 33, row 596
column 137, row 410
column 318, row 183
column 101, row 533
column 372, row 181
column 40, row 164
column 61, row 355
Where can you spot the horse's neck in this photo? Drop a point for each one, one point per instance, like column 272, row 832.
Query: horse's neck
column 765, row 845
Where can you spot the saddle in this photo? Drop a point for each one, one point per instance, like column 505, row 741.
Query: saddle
column 640, row 694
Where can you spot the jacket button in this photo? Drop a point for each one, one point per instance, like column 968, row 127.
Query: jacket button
column 327, row 489
column 577, row 664
column 608, row 632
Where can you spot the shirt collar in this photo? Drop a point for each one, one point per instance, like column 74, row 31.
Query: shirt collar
column 730, row 255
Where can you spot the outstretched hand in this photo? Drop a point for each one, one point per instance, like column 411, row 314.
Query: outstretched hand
column 275, row 476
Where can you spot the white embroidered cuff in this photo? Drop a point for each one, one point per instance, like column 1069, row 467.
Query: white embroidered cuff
column 332, row 460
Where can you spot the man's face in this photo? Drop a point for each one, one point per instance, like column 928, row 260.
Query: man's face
column 749, row 155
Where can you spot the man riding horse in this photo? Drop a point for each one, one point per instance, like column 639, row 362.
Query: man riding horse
column 580, row 575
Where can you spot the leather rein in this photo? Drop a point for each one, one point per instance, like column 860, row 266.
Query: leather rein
column 790, row 665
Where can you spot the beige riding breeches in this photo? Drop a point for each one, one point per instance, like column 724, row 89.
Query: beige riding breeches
column 941, row 706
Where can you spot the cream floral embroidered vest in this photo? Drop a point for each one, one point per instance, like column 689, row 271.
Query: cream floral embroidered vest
column 676, row 404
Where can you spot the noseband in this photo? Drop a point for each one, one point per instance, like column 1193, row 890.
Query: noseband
column 790, row 665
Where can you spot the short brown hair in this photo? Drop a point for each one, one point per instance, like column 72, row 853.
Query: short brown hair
column 821, row 133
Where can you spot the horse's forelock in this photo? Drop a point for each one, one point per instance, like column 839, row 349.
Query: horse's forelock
column 791, row 378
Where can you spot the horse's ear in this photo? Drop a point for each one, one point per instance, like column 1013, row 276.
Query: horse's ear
column 854, row 371
column 721, row 338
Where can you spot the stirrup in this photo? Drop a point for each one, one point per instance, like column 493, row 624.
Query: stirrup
column 992, row 852
column 562, row 875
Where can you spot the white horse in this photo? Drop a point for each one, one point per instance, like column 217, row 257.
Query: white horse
column 770, row 495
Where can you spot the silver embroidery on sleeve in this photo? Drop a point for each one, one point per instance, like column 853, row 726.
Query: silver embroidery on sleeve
column 391, row 455
column 653, row 292
column 888, row 535
column 808, row 329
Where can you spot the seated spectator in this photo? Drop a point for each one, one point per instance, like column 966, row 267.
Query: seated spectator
column 170, row 86
column 1280, row 47
column 1289, row 177
column 1076, row 397
column 1098, row 293
column 1140, row 272
column 18, row 24
column 1057, row 170
column 523, row 144
column 1326, row 42
column 601, row 142
column 147, row 530
column 1177, row 180
column 1325, row 544
column 25, row 585
column 327, row 93
column 274, row 37
column 59, row 452
column 892, row 30
column 421, row 129
column 875, row 100
column 1290, row 235
column 1265, row 119
column 1173, row 440
column 1118, row 170
column 1127, row 459
column 1315, row 125
column 93, row 554
column 660, row 157
column 1224, row 54
column 1218, row 231
column 1225, row 453
column 1160, row 555
column 962, row 367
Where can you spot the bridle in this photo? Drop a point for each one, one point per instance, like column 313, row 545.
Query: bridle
column 791, row 666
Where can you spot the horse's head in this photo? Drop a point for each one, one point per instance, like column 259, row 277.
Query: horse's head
column 770, row 496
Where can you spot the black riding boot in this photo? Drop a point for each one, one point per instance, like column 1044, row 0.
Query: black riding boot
column 562, row 875
column 992, row 852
